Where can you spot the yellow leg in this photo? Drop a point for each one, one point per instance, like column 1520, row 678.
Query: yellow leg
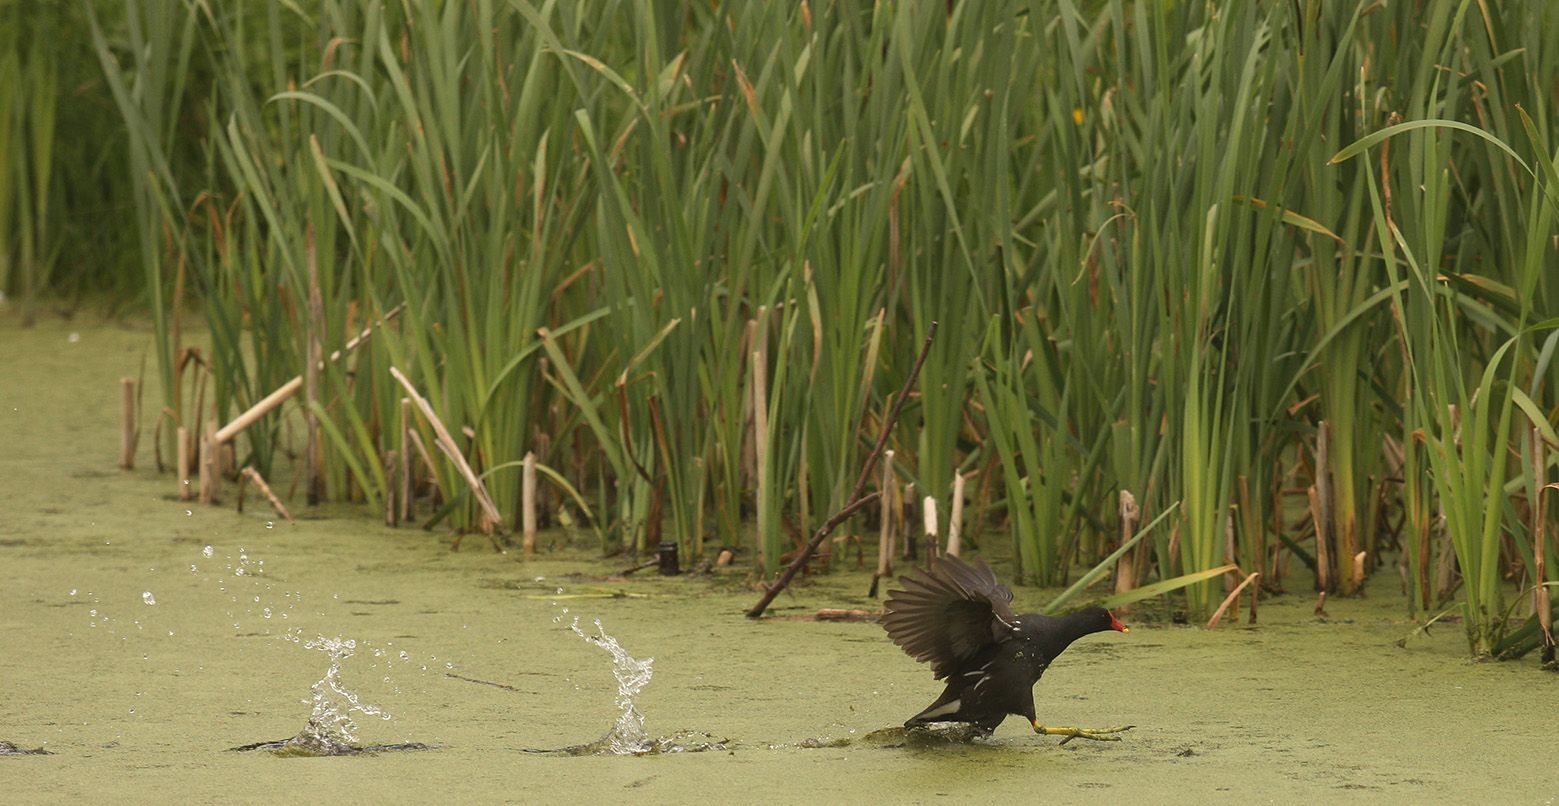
column 1098, row 735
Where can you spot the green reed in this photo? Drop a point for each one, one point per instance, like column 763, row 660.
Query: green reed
column 627, row 235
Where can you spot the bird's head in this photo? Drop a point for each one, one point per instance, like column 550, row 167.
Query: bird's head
column 1097, row 619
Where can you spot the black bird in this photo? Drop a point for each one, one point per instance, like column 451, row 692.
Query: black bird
column 959, row 618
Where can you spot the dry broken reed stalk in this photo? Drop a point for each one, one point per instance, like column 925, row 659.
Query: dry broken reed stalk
column 253, row 476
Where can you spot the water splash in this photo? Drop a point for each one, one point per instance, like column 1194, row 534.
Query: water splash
column 331, row 729
column 627, row 736
column 331, row 724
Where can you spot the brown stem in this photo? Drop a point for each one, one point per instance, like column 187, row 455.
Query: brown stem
column 1540, row 595
column 128, row 429
column 885, row 537
column 528, row 501
column 446, row 443
column 313, row 464
column 265, row 489
column 857, row 498
column 181, row 438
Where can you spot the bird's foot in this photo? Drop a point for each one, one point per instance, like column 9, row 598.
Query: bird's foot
column 1096, row 734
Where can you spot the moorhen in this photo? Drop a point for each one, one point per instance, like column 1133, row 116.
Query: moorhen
column 960, row 619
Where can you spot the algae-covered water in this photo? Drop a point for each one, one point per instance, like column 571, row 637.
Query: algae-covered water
column 136, row 660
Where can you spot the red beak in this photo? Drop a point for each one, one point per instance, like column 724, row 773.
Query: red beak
column 1115, row 624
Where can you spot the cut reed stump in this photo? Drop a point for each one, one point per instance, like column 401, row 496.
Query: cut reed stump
column 885, row 534
column 181, row 437
column 760, row 442
column 928, row 513
column 1126, row 566
column 392, row 469
column 955, row 519
column 1323, row 556
column 408, row 487
column 128, row 430
column 210, row 471
column 528, row 501
column 858, row 498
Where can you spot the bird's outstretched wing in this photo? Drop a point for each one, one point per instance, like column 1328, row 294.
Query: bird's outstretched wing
column 950, row 614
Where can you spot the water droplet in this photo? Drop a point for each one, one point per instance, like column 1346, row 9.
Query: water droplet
column 147, row 597
column 188, row 513
column 73, row 338
column 449, row 665
column 92, row 612
column 72, row 591
column 238, row 573
column 208, row 551
column 193, row 569
column 267, row 612
column 270, row 525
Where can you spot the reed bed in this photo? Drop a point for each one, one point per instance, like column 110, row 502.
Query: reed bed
column 1273, row 270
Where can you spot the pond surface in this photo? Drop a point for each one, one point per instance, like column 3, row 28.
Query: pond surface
column 136, row 660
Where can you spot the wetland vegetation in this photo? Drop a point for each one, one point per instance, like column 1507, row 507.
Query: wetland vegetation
column 1242, row 314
